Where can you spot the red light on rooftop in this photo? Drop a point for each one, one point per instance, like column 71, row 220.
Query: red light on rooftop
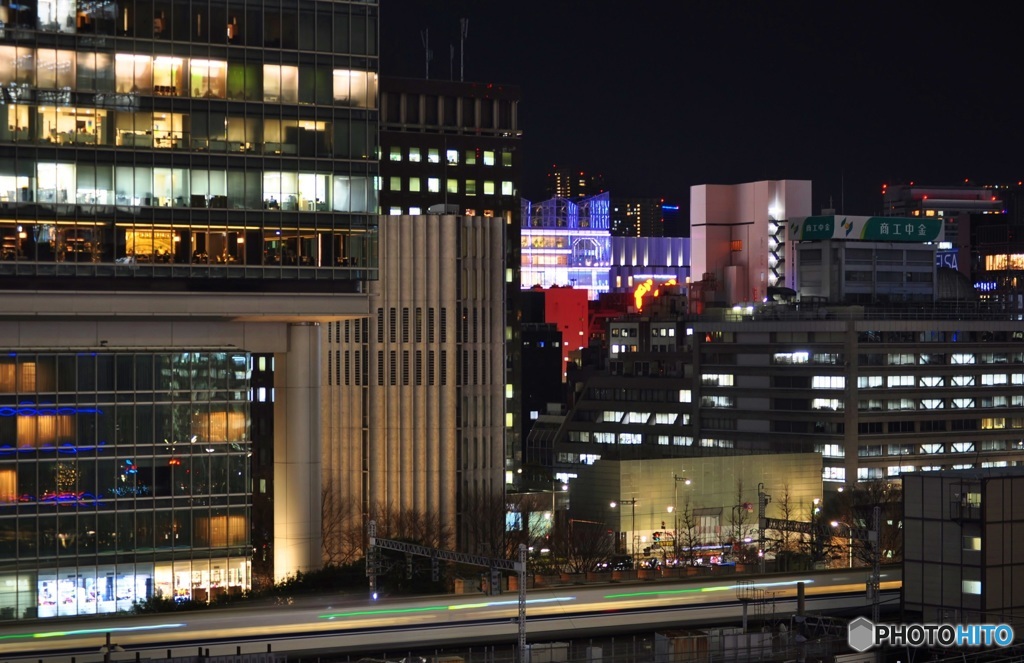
column 924, row 197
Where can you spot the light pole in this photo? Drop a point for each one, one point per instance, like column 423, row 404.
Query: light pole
column 849, row 540
column 632, row 522
column 556, row 486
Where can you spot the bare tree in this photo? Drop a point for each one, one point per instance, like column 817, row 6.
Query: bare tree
column 856, row 507
column 333, row 521
column 783, row 542
column 582, row 544
column 738, row 518
column 820, row 546
column 687, row 536
column 484, row 528
column 425, row 529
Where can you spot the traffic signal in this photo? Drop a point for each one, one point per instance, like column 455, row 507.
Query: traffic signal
column 435, row 569
column 495, row 581
column 408, row 566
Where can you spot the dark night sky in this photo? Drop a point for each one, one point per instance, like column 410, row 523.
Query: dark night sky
column 848, row 95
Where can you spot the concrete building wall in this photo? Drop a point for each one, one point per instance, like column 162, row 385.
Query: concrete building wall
column 963, row 535
column 420, row 425
column 731, row 227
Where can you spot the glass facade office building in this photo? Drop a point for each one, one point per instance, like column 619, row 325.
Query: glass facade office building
column 186, row 139
column 122, row 476
column 174, row 154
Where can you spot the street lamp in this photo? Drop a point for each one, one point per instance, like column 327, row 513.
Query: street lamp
column 632, row 522
column 849, row 540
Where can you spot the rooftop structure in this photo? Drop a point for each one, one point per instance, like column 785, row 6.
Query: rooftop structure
column 739, row 237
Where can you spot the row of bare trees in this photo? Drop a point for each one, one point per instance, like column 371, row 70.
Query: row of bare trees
column 558, row 542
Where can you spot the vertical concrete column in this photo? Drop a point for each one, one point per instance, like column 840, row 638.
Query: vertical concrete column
column 297, row 453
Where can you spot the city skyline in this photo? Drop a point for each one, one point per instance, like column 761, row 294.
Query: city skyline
column 847, row 98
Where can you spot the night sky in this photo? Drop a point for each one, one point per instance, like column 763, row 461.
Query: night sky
column 848, row 95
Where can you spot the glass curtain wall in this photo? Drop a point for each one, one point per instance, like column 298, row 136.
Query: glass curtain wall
column 122, row 477
column 159, row 146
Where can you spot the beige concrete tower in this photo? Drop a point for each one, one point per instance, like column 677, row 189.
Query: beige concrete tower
column 414, row 406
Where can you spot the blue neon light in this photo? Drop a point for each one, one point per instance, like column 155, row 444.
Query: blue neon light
column 27, row 410
column 671, row 208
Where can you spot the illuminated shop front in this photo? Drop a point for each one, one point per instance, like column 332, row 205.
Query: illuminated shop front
column 567, row 243
column 123, row 476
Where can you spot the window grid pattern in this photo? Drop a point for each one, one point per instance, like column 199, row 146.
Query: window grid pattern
column 119, row 497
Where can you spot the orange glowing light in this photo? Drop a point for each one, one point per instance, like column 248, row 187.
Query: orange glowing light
column 641, row 290
column 646, row 287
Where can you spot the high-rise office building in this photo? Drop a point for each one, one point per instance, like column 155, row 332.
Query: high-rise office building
column 451, row 147
column 637, row 217
column 186, row 192
column 415, row 413
column 565, row 182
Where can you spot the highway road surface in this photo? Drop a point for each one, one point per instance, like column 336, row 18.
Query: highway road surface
column 350, row 624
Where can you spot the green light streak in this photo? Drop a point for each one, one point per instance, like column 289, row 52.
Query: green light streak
column 86, row 631
column 384, row 611
column 699, row 590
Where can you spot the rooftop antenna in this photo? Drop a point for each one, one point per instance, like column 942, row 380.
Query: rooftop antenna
column 842, row 191
column 425, row 38
column 464, row 30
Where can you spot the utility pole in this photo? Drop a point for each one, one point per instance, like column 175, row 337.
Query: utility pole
column 632, row 524
column 675, row 508
column 762, row 504
column 876, row 563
